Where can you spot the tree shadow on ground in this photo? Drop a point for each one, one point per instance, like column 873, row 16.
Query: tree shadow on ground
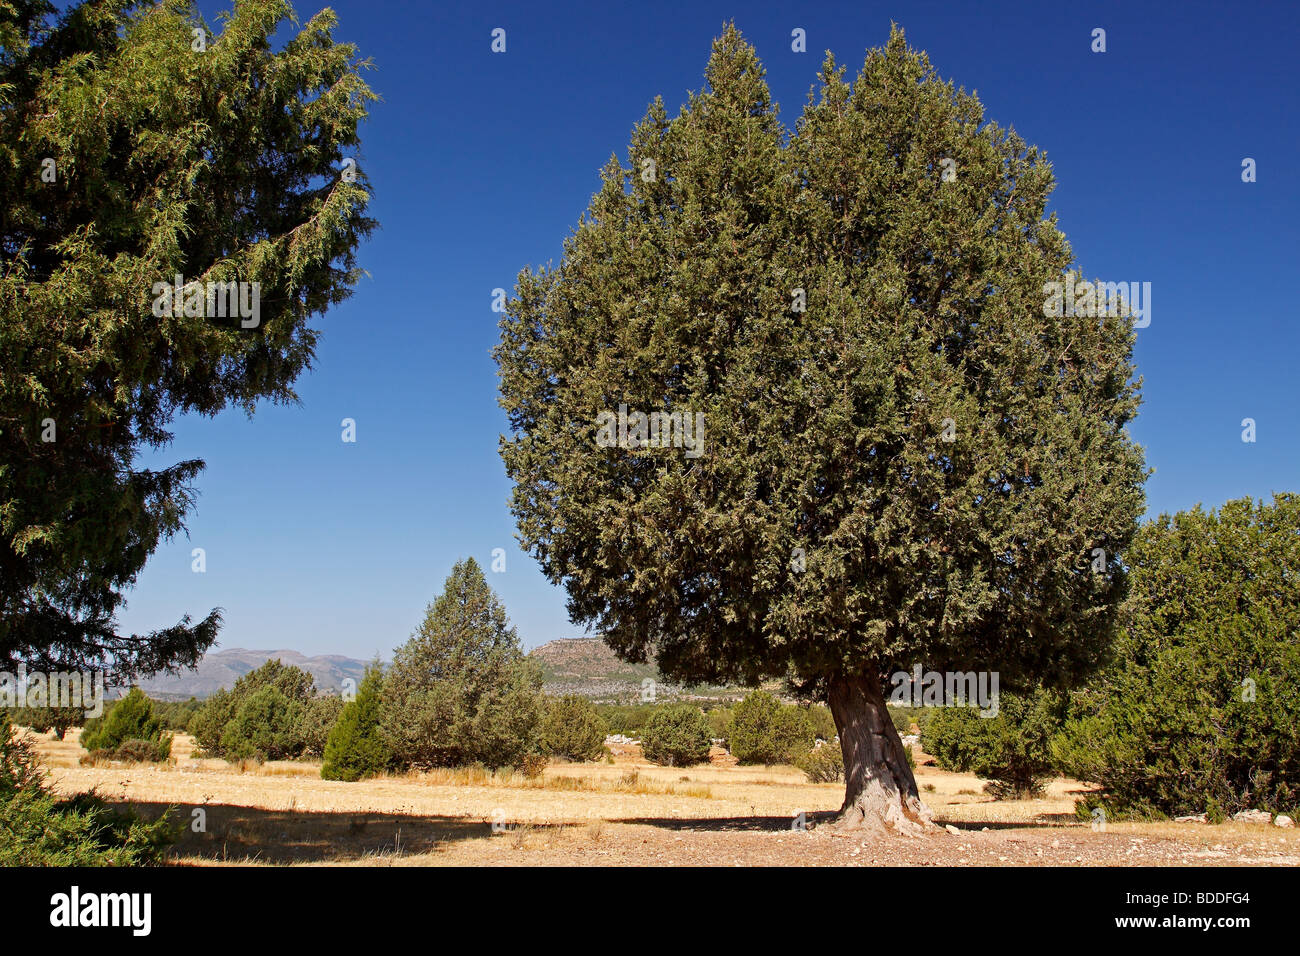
column 822, row 818
column 751, row 824
column 1044, row 821
column 236, row 834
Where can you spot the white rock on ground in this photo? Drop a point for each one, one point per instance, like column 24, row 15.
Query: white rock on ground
column 1253, row 816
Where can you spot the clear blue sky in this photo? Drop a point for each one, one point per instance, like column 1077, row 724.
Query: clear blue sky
column 483, row 162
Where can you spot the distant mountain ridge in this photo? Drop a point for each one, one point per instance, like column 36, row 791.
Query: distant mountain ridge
column 220, row 669
column 575, row 665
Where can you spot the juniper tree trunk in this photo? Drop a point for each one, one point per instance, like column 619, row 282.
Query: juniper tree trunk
column 879, row 788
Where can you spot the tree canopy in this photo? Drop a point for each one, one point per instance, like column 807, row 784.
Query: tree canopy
column 136, row 145
column 907, row 455
column 461, row 691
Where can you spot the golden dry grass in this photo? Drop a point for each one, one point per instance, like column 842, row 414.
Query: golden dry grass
column 625, row 812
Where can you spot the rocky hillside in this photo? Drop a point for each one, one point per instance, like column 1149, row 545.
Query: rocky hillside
column 586, row 666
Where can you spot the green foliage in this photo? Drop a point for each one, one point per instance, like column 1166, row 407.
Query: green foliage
column 265, row 726
column 209, row 722
column 676, row 735
column 719, row 722
column 221, row 167
column 318, row 718
column 1198, row 710
column 763, row 730
column 626, row 719
column 177, row 714
column 822, row 722
column 824, row 764
column 39, row 829
column 1011, row 749
column 129, row 719
column 19, row 770
column 135, row 751
column 826, row 527
column 42, row 720
column 461, row 691
column 573, row 729
column 281, row 725
column 905, row 717
column 357, row 748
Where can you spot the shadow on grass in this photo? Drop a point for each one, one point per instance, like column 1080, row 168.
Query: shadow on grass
column 1044, row 821
column 775, row 824
column 752, row 824
column 237, row 834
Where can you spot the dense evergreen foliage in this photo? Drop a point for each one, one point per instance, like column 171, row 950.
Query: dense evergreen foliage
column 272, row 713
column 356, row 748
column 906, row 455
column 1012, row 749
column 129, row 728
column 38, row 828
column 461, row 691
column 676, row 735
column 1199, row 710
column 572, row 729
column 128, row 157
column 764, row 730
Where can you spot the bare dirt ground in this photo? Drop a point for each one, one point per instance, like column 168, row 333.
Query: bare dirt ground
column 628, row 813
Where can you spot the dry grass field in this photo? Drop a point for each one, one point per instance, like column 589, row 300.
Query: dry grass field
column 629, row 812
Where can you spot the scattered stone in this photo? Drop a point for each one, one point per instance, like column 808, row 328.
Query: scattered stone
column 953, row 830
column 1283, row 821
column 1253, row 816
column 1194, row 818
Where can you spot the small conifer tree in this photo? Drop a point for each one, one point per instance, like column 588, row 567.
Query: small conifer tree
column 356, row 748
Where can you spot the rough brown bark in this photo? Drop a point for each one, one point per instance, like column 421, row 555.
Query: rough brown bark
column 879, row 788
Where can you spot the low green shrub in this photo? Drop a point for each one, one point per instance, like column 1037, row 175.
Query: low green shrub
column 130, row 751
column 766, row 731
column 676, row 736
column 1012, row 749
column 824, row 764
column 37, row 828
column 132, row 720
column 572, row 729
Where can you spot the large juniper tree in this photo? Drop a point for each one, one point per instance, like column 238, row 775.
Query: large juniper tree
column 907, row 457
column 137, row 144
